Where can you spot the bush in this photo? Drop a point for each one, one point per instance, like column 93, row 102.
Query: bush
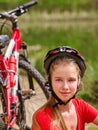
column 85, row 95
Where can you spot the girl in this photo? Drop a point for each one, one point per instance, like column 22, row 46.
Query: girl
column 65, row 68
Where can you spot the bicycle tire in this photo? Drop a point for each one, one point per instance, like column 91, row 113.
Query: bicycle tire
column 27, row 72
column 33, row 73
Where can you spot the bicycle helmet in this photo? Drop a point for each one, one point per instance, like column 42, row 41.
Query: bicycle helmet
column 61, row 51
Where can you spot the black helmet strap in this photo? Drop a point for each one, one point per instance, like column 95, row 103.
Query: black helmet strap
column 60, row 102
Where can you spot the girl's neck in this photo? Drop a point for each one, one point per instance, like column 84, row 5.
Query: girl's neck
column 68, row 107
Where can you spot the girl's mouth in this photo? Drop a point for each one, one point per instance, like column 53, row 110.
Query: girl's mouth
column 65, row 93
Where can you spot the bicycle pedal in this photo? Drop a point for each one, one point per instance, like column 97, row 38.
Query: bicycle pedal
column 27, row 92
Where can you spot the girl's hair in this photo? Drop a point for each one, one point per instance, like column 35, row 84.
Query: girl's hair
column 57, row 119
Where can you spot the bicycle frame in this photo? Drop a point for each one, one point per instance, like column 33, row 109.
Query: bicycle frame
column 9, row 72
column 13, row 49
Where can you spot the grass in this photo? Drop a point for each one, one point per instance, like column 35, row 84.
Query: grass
column 92, row 127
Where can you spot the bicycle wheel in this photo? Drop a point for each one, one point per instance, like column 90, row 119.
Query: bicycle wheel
column 30, row 78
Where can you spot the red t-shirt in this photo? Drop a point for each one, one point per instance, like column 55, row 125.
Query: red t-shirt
column 85, row 113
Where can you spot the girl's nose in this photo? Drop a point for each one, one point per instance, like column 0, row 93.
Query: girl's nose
column 65, row 85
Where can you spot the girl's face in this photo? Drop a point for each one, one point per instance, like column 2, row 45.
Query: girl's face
column 65, row 79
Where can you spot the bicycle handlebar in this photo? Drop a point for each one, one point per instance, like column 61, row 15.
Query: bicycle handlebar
column 21, row 9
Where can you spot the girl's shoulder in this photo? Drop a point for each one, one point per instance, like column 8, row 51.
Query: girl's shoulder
column 84, row 106
column 43, row 113
column 79, row 101
column 81, row 104
column 43, row 117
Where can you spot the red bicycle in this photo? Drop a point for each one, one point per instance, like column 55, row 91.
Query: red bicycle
column 14, row 69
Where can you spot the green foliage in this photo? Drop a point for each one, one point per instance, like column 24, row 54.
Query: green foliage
column 85, row 95
column 52, row 5
column 94, row 90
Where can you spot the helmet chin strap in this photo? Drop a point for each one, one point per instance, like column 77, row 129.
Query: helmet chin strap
column 59, row 101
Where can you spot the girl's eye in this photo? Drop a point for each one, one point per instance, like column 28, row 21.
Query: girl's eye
column 58, row 80
column 72, row 80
